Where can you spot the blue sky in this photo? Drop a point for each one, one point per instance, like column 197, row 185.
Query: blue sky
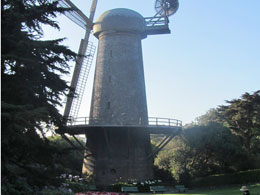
column 211, row 55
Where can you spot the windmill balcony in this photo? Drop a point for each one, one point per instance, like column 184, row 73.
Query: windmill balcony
column 152, row 121
column 156, row 125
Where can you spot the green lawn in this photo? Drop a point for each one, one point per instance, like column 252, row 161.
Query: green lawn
column 234, row 190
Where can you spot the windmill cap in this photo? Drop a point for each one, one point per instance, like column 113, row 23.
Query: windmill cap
column 121, row 20
column 243, row 188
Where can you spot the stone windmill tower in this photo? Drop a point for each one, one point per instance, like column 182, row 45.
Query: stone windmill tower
column 119, row 99
column 118, row 129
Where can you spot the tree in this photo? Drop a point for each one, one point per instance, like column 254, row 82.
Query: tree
column 209, row 117
column 32, row 84
column 224, row 140
column 242, row 116
column 69, row 157
column 202, row 151
column 31, row 68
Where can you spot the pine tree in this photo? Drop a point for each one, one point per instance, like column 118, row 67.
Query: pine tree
column 242, row 116
column 32, row 84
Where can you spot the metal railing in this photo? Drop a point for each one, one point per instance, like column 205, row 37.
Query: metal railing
column 155, row 121
column 152, row 121
column 156, row 21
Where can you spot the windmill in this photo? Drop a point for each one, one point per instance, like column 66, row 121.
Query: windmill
column 118, row 129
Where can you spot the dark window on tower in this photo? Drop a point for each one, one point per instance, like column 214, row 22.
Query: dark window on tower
column 108, row 105
column 111, row 53
column 113, row 171
column 109, row 78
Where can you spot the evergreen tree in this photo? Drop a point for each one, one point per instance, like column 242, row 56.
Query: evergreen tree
column 32, row 85
column 202, row 150
column 242, row 116
column 210, row 116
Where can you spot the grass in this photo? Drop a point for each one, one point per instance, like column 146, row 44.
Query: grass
column 232, row 190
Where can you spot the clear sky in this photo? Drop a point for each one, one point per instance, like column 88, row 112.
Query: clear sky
column 211, row 55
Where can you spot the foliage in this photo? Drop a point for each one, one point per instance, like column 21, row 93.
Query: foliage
column 143, row 186
column 32, row 85
column 54, row 191
column 211, row 116
column 243, row 177
column 78, row 187
column 242, row 117
column 30, row 67
column 20, row 187
column 69, row 157
column 223, row 140
column 164, row 175
column 201, row 151
column 117, row 186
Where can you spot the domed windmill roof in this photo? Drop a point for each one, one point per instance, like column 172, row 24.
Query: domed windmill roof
column 120, row 19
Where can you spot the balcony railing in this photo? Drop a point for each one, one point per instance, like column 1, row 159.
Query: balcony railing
column 155, row 121
column 156, row 21
column 152, row 122
column 157, row 25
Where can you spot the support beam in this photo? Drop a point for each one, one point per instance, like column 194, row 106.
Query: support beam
column 164, row 142
column 83, row 147
column 70, row 142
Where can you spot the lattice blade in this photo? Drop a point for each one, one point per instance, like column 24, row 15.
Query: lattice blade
column 83, row 76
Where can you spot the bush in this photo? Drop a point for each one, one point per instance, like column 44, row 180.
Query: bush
column 143, row 186
column 117, row 187
column 78, row 187
column 19, row 187
column 54, row 192
column 243, row 177
column 164, row 175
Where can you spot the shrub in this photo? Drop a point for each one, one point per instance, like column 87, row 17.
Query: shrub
column 78, row 187
column 143, row 186
column 242, row 177
column 19, row 187
column 164, row 175
column 55, row 192
column 117, row 187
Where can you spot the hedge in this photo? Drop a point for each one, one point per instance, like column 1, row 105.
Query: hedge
column 243, row 177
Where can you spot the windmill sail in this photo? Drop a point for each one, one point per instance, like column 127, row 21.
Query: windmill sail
column 82, row 79
column 84, row 60
column 76, row 15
